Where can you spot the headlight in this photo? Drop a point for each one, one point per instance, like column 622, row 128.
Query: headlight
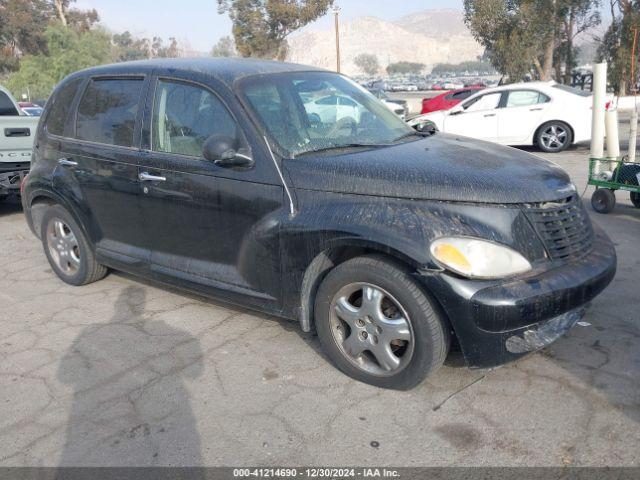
column 475, row 258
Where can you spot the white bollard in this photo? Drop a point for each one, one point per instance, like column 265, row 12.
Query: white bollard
column 613, row 138
column 599, row 99
column 633, row 134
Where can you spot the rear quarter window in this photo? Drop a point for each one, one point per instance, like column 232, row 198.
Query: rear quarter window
column 7, row 108
column 107, row 111
column 61, row 107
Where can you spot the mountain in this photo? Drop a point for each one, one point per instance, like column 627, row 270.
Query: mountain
column 435, row 23
column 429, row 37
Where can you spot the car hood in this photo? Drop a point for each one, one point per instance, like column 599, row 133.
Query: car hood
column 440, row 167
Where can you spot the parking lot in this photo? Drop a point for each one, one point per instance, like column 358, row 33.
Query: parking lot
column 124, row 372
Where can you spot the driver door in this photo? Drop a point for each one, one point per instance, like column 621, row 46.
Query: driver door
column 476, row 118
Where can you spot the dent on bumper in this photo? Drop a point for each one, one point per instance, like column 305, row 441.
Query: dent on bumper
column 538, row 337
column 499, row 322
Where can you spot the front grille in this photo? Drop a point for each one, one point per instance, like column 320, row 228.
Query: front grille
column 563, row 226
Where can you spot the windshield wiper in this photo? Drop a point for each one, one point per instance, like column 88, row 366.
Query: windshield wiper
column 415, row 133
column 344, row 146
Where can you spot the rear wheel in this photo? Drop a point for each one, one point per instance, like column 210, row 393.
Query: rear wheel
column 603, row 200
column 67, row 249
column 635, row 199
column 377, row 325
column 554, row 137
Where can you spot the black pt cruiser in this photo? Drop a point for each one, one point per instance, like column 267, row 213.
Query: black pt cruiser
column 295, row 192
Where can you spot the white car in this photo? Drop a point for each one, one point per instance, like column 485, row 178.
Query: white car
column 332, row 108
column 545, row 114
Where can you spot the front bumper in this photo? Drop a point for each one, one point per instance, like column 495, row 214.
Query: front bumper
column 500, row 321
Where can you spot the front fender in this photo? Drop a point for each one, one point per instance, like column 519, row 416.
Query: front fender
column 401, row 228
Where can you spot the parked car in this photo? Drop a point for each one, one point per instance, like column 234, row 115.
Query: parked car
column 447, row 100
column 399, row 107
column 332, row 108
column 207, row 174
column 545, row 114
column 17, row 132
column 31, row 109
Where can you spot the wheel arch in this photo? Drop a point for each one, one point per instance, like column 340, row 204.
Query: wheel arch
column 335, row 254
column 37, row 205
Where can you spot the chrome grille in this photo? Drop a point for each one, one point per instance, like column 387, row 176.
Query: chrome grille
column 563, row 226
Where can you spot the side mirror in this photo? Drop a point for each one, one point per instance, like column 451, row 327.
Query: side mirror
column 456, row 110
column 225, row 151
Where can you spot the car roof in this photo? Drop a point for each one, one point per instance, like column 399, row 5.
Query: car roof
column 227, row 70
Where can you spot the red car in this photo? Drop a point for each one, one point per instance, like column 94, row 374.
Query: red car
column 448, row 99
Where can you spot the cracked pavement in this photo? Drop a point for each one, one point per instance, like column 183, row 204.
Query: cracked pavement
column 123, row 372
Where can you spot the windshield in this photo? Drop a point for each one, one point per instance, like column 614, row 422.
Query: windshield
column 313, row 111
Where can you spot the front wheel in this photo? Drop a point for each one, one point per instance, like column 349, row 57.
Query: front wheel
column 377, row 325
column 554, row 137
column 635, row 199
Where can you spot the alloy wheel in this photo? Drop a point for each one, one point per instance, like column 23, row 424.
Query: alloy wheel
column 554, row 137
column 371, row 329
column 63, row 247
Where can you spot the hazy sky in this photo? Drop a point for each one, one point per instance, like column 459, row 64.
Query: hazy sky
column 198, row 22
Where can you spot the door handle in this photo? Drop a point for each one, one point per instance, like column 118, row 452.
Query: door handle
column 17, row 132
column 490, row 115
column 147, row 177
column 535, row 109
column 65, row 162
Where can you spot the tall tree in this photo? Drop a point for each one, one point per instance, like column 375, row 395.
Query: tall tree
column 260, row 27
column 67, row 52
column 130, row 48
column 22, row 25
column 579, row 16
column 617, row 44
column 81, row 20
column 368, row 63
column 225, row 47
column 523, row 36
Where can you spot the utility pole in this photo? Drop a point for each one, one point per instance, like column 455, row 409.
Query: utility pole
column 336, row 12
column 634, row 83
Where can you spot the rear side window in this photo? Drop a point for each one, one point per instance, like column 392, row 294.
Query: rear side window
column 6, row 105
column 525, row 98
column 61, row 107
column 107, row 111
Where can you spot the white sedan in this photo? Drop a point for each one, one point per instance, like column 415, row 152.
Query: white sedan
column 545, row 114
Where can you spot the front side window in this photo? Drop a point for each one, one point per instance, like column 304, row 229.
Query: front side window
column 525, row 98
column 6, row 106
column 490, row 101
column 313, row 111
column 61, row 107
column 107, row 111
column 185, row 115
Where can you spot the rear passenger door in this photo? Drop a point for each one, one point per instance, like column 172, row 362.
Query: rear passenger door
column 521, row 114
column 98, row 165
column 209, row 227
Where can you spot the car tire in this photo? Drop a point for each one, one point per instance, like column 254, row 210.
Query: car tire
column 635, row 199
column 377, row 325
column 67, row 248
column 554, row 137
column 603, row 200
